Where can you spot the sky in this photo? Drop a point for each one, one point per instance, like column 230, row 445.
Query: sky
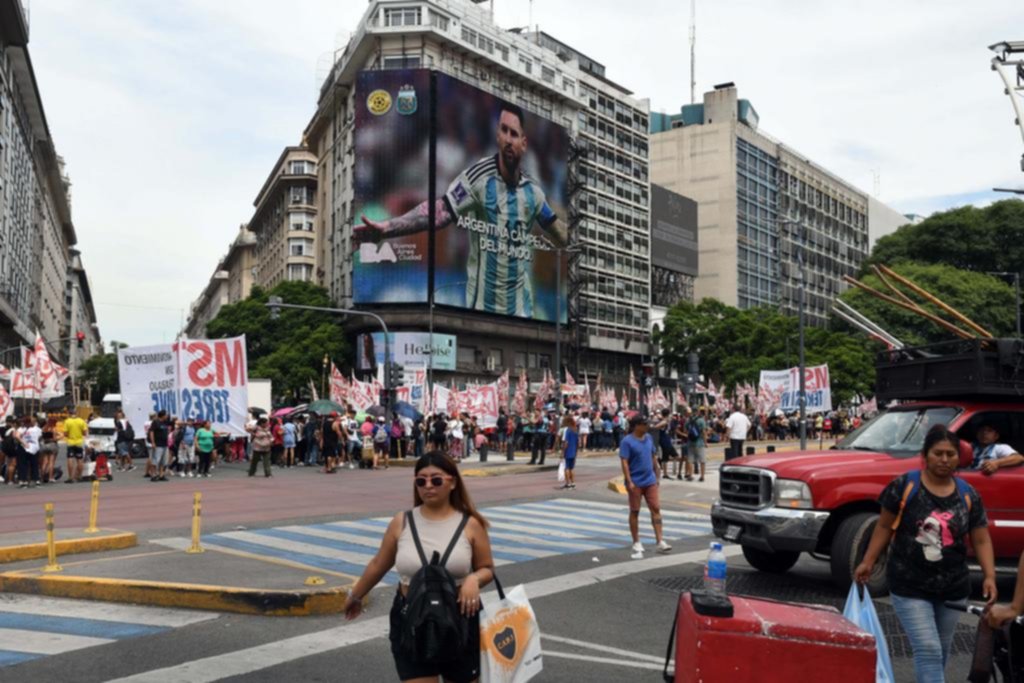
column 170, row 115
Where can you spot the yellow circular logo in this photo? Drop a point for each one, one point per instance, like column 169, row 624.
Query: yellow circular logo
column 379, row 102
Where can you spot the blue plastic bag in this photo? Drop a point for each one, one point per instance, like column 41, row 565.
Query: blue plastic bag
column 861, row 611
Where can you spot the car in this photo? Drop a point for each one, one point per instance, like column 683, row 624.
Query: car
column 778, row 506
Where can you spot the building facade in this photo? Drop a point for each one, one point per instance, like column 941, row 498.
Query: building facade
column 40, row 275
column 83, row 339
column 231, row 282
column 285, row 222
column 609, row 273
column 762, row 206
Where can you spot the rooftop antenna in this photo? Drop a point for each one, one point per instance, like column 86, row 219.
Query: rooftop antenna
column 693, row 51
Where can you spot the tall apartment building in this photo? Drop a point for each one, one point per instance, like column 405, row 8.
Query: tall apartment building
column 284, row 221
column 231, row 282
column 81, row 316
column 610, row 290
column 38, row 272
column 759, row 201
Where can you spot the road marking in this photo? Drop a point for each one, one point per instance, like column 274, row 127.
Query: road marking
column 241, row 662
column 607, row 649
column 61, row 607
column 604, row 660
column 43, row 643
column 703, row 506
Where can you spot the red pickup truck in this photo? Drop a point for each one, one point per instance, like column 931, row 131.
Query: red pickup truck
column 779, row 505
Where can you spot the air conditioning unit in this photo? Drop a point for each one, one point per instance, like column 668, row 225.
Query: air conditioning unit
column 492, row 363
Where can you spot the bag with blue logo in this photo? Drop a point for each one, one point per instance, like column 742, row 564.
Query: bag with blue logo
column 861, row 611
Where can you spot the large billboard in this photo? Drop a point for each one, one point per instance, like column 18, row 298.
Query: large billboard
column 673, row 231
column 501, row 194
column 407, row 348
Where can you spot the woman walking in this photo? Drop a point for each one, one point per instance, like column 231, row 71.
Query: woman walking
column 926, row 517
column 204, row 448
column 262, row 441
column 288, row 439
column 443, row 516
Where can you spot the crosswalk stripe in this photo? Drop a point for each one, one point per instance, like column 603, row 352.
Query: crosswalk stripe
column 10, row 658
column 85, row 609
column 285, row 541
column 532, row 523
column 305, row 558
column 612, row 506
column 75, row 626
column 686, row 526
column 607, row 527
column 42, row 643
column 607, row 509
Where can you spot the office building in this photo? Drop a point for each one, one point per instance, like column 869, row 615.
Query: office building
column 761, row 203
column 607, row 179
column 231, row 282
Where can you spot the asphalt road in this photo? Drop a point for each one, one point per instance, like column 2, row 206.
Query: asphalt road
column 604, row 617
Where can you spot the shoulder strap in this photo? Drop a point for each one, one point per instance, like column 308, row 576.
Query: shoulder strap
column 415, row 536
column 909, row 491
column 455, row 539
column 965, row 492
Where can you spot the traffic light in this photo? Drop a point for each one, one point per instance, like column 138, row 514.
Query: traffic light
column 275, row 309
column 80, row 337
column 396, row 375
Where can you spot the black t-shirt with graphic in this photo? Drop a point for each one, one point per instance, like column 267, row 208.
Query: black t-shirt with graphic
column 928, row 554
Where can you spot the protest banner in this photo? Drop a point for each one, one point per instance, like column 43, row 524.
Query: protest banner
column 785, row 385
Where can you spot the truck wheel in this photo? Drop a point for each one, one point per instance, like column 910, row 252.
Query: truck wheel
column 848, row 547
column 772, row 563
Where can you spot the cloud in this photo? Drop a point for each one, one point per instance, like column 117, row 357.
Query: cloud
column 170, row 115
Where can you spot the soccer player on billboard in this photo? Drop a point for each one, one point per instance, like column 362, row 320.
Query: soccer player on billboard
column 498, row 204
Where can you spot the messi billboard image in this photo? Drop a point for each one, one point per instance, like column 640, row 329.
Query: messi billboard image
column 501, row 198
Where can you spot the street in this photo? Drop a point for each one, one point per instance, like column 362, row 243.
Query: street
column 603, row 616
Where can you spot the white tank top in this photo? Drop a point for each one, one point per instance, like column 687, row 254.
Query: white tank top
column 434, row 535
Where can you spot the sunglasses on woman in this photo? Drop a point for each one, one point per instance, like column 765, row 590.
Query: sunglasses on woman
column 435, row 481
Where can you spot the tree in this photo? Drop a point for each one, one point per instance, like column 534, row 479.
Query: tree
column 986, row 239
column 289, row 351
column 101, row 372
column 985, row 299
column 735, row 345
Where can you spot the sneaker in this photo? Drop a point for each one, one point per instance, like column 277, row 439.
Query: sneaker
column 181, row 475
column 639, row 555
column 164, row 478
column 351, row 466
column 572, row 486
column 2, row 480
column 638, row 547
column 207, row 475
column 23, row 485
column 191, row 475
column 681, row 477
column 663, row 547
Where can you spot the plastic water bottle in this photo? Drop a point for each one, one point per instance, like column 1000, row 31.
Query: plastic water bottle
column 714, row 571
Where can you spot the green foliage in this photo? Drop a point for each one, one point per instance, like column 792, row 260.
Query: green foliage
column 988, row 239
column 987, row 300
column 290, row 350
column 101, row 371
column 734, row 346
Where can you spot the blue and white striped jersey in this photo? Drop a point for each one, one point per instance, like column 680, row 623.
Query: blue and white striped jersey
column 501, row 243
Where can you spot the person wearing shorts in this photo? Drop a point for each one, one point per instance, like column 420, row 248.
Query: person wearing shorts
column 570, row 445
column 75, row 431
column 640, row 474
column 159, row 435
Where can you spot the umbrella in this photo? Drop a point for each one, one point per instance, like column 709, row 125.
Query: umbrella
column 325, row 407
column 407, row 410
column 377, row 411
column 258, row 411
column 281, row 412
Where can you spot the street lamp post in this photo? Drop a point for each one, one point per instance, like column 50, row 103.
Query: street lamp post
column 1016, row 288
column 558, row 318
column 801, row 303
column 430, row 354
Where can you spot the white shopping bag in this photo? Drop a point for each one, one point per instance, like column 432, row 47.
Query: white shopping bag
column 509, row 638
column 561, row 471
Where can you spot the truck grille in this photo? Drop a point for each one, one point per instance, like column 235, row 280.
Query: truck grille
column 744, row 487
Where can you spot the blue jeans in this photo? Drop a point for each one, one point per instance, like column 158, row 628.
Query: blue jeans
column 312, row 452
column 930, row 627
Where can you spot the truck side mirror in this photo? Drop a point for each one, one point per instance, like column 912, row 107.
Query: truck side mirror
column 966, row 454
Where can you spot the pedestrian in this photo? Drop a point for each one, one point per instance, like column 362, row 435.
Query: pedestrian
column 442, row 521
column 124, row 437
column 438, row 434
column 47, row 450
column 289, row 434
column 696, row 435
column 932, row 513
column 75, row 431
column 539, row 445
column 455, row 436
column 570, row 445
column 277, row 444
column 585, row 425
column 381, row 443
column 738, row 425
column 640, row 475
column 186, row 449
column 663, row 433
column 311, row 434
column 204, row 448
column 262, row 442
column 30, row 436
column 354, row 444
column 501, row 428
column 329, row 444
column 397, row 434
column 419, row 442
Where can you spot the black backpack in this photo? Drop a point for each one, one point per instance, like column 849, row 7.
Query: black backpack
column 433, row 629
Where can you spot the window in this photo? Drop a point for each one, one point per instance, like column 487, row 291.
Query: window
column 301, row 167
column 520, row 359
column 301, row 195
column 402, row 62
column 469, row 35
column 465, row 355
column 300, row 246
column 545, row 360
column 547, row 74
column 525, row 64
column 439, row 20
column 503, row 51
column 301, row 220
column 496, row 358
column 402, row 16
column 300, row 272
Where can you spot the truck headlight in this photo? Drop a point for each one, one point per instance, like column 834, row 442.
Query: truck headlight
column 792, row 493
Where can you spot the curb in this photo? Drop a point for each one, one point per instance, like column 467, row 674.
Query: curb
column 68, row 546
column 498, row 470
column 297, row 603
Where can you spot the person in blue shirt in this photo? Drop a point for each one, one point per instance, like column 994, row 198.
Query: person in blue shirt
column 570, row 444
column 640, row 474
column 289, row 439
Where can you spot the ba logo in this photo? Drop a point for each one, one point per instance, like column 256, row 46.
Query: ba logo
column 371, row 253
column 379, row 102
column 406, row 103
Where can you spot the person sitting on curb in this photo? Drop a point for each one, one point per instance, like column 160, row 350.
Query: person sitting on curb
column 989, row 454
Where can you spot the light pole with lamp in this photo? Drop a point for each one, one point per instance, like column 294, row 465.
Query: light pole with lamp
column 430, row 354
column 558, row 318
column 800, row 326
column 1016, row 287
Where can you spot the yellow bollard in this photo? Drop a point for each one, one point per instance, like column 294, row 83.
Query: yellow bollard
column 196, row 512
column 94, row 508
column 51, row 544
